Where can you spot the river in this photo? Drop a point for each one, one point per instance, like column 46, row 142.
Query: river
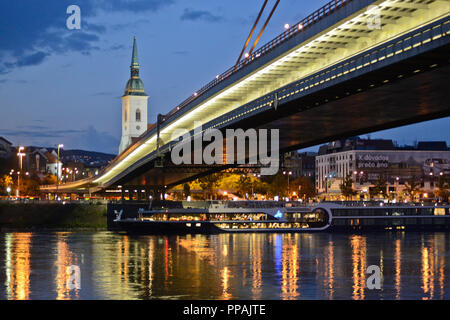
column 107, row 265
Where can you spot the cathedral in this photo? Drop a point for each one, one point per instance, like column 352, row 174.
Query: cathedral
column 134, row 105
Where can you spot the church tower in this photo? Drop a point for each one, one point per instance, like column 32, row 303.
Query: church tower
column 134, row 105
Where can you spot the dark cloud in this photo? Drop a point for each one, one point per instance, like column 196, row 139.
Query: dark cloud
column 132, row 24
column 135, row 5
column 33, row 30
column 195, row 15
column 88, row 139
column 54, row 43
column 33, row 127
column 44, row 132
column 99, row 141
column 82, row 42
column 3, row 69
column 116, row 47
column 32, row 59
column 96, row 28
column 69, row 41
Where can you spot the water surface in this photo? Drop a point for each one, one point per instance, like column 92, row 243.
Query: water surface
column 227, row 266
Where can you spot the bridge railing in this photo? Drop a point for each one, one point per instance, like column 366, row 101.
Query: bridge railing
column 302, row 25
column 359, row 63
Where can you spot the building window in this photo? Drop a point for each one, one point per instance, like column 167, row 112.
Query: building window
column 138, row 115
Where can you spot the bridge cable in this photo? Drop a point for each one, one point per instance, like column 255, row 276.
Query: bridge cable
column 264, row 27
column 251, row 32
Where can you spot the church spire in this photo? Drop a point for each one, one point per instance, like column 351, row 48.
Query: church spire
column 134, row 85
column 134, row 61
column 134, row 57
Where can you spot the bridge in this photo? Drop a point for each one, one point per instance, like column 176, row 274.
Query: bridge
column 351, row 67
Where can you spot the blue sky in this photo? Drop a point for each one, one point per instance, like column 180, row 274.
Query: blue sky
column 64, row 86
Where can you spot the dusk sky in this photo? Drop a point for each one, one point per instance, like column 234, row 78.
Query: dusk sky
column 64, row 86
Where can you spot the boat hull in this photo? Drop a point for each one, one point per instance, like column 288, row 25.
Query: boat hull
column 158, row 227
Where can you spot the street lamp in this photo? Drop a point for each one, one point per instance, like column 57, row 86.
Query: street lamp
column 8, row 189
column 288, row 174
column 20, row 154
column 60, row 146
column 358, row 178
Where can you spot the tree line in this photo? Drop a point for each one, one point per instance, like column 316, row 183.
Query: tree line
column 246, row 185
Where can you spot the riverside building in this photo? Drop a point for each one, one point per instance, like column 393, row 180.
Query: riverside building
column 370, row 160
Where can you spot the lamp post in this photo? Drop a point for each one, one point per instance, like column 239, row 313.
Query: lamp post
column 397, row 187
column 60, row 146
column 288, row 174
column 358, row 178
column 20, row 154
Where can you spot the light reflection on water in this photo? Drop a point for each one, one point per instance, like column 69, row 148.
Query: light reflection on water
column 226, row 266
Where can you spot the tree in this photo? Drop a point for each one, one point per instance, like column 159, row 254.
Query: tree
column 30, row 187
column 244, row 185
column 347, row 187
column 49, row 179
column 5, row 182
column 442, row 190
column 412, row 188
column 186, row 190
column 276, row 184
column 209, row 184
column 379, row 187
column 304, row 187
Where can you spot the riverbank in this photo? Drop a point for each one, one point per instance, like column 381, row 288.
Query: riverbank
column 52, row 216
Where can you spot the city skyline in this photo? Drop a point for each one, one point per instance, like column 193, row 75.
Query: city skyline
column 64, row 86
column 217, row 158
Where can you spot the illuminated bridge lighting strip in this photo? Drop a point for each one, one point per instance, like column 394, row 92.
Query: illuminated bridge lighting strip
column 398, row 46
column 219, row 104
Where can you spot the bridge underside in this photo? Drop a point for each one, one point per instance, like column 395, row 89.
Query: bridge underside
column 410, row 91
